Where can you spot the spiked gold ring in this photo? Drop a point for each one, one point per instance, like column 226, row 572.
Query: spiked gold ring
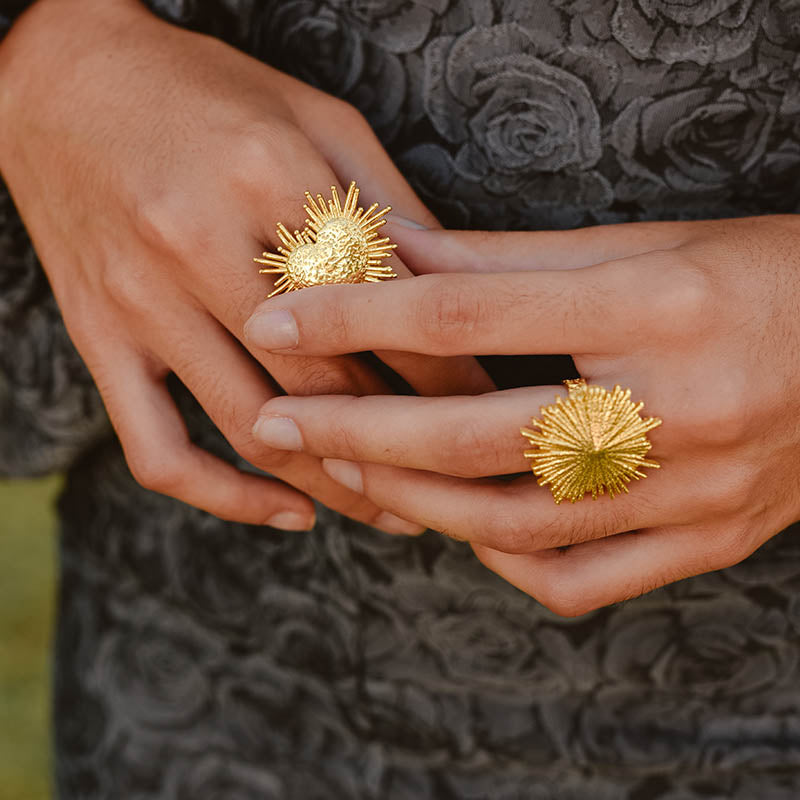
column 339, row 244
column 594, row 441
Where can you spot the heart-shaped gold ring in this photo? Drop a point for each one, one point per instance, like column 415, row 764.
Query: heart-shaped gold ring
column 339, row 244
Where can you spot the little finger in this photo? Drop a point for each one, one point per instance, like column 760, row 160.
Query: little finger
column 519, row 516
column 579, row 579
column 162, row 458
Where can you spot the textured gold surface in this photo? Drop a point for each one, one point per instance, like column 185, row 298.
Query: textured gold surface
column 338, row 245
column 594, row 441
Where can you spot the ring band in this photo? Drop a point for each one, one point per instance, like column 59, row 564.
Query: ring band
column 594, row 441
column 339, row 244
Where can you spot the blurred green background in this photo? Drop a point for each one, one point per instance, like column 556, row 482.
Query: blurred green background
column 27, row 593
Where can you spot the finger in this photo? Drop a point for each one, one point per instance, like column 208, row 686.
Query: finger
column 462, row 436
column 360, row 156
column 235, row 269
column 231, row 387
column 438, row 251
column 162, row 458
column 595, row 310
column 579, row 579
column 362, row 159
column 259, row 189
column 519, row 516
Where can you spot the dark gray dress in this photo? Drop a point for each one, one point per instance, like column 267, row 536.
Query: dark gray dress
column 200, row 660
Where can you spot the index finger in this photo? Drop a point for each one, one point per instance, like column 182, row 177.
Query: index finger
column 283, row 188
column 593, row 310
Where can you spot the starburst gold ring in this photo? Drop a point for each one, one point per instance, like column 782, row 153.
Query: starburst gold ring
column 339, row 244
column 594, row 441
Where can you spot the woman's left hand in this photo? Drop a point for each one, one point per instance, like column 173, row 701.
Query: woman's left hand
column 701, row 320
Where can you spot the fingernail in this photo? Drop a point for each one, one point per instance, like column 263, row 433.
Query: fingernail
column 393, row 524
column 278, row 432
column 345, row 472
column 407, row 223
column 291, row 521
column 272, row 330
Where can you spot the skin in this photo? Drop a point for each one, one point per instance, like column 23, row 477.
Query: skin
column 150, row 165
column 699, row 319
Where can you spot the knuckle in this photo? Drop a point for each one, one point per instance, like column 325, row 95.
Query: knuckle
column 259, row 148
column 349, row 443
column 321, row 376
column 509, row 530
column 731, row 491
column 447, row 315
column 562, row 598
column 347, row 114
column 167, row 221
column 265, row 457
column 726, row 546
column 685, row 294
column 334, row 324
column 157, row 473
column 582, row 528
column 691, row 294
column 721, row 416
column 128, row 289
column 237, row 429
column 476, row 453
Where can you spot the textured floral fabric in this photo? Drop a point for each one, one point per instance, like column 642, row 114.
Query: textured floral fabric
column 201, row 660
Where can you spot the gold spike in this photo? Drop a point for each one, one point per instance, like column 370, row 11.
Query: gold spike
column 365, row 251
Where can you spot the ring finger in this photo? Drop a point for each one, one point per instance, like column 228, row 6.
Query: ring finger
column 468, row 437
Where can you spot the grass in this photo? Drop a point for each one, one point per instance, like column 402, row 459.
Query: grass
column 27, row 586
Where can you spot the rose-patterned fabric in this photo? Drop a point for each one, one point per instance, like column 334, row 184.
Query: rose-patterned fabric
column 199, row 659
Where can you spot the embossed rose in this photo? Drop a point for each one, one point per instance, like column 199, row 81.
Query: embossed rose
column 273, row 714
column 412, row 716
column 641, row 730
column 776, row 191
column 80, row 718
column 511, row 725
column 399, row 26
column 217, row 777
column 217, row 571
column 492, row 647
column 302, row 631
column 703, row 31
column 498, row 784
column 152, row 669
column 700, row 142
column 692, row 682
column 782, row 23
column 319, row 45
column 308, row 40
column 521, row 115
column 774, row 784
column 693, row 647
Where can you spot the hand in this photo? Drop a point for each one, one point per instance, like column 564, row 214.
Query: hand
column 150, row 165
column 700, row 319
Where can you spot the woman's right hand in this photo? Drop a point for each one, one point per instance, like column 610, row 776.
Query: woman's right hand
column 149, row 165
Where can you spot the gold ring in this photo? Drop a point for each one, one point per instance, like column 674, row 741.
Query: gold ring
column 594, row 441
column 339, row 244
